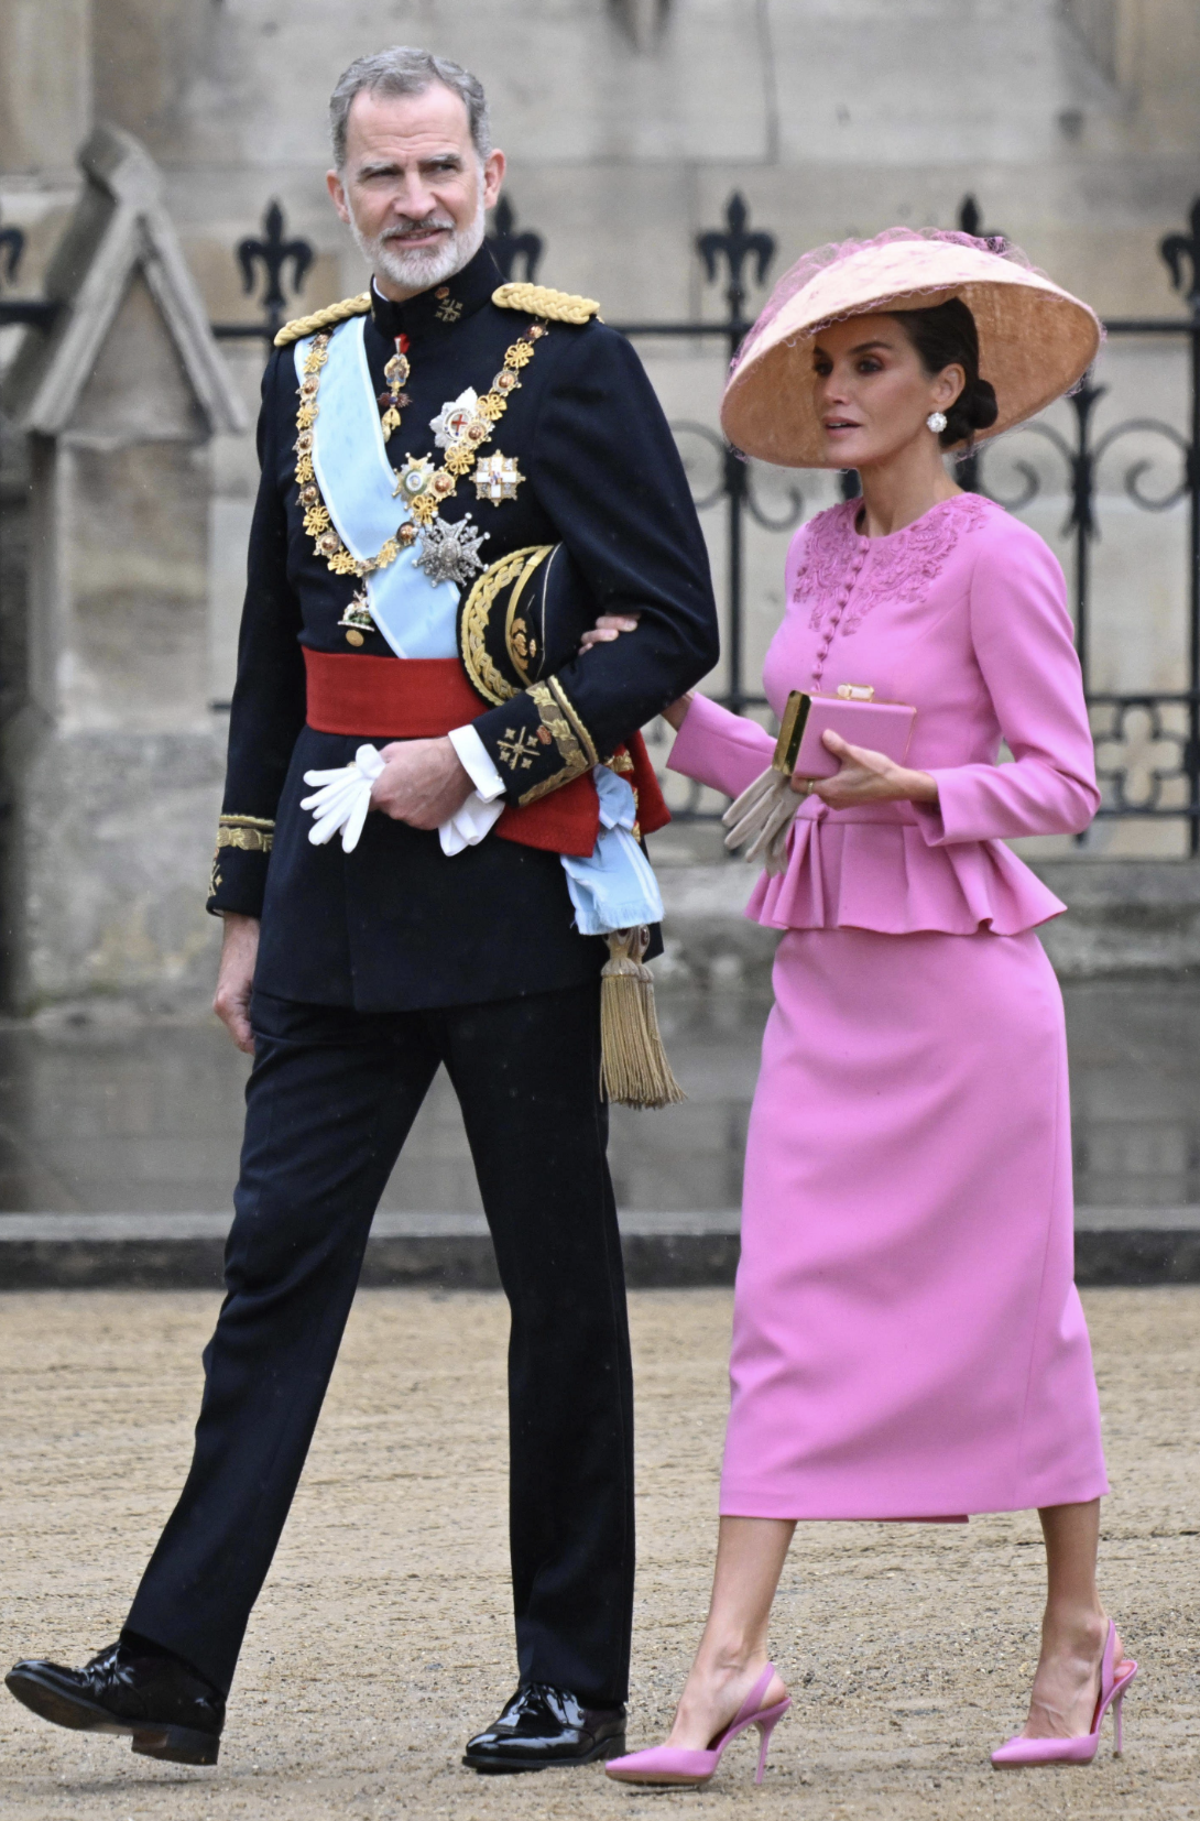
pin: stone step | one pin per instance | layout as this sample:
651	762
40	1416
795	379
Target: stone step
1146	1245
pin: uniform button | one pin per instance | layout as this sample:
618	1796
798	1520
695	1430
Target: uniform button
354	637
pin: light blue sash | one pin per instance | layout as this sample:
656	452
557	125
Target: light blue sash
616	887
613	889
416	616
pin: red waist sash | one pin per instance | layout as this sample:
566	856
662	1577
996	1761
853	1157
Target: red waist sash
423	698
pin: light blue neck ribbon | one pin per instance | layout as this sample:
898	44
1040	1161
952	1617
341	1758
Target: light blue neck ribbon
417	617
616	887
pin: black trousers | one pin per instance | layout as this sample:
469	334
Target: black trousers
329	1103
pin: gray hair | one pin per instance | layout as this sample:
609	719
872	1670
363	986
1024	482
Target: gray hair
402	70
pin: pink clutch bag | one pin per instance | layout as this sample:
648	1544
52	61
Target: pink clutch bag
880	726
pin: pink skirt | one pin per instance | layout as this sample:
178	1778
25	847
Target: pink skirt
908	1341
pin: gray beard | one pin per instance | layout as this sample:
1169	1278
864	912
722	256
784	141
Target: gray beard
423	267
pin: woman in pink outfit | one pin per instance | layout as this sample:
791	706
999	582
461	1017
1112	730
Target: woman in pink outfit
908	1342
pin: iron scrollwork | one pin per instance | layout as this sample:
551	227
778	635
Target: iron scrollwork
274	252
735	243
722	483
1155	735
12	247
1135	787
508	246
1175	248
1082	461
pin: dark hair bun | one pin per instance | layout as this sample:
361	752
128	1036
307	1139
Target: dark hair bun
974	409
945	335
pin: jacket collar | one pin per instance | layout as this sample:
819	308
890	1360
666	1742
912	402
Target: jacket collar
438	310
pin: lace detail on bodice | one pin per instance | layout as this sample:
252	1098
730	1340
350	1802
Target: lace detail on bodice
844	575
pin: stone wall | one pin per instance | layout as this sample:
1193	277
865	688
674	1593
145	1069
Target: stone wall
628	124
110	755
627	127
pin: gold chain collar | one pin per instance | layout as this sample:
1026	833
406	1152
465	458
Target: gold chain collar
426	488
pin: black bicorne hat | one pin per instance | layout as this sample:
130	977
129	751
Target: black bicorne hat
523	619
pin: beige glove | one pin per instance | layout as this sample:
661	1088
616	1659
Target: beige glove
762	817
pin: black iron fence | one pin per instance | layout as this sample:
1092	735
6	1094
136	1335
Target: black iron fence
1148	741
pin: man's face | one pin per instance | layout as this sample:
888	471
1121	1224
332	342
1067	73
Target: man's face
413	189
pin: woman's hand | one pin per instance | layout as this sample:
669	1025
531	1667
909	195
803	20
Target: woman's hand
866	777
608	627
675	713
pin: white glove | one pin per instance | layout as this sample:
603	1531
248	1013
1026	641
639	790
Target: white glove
344	798
468	825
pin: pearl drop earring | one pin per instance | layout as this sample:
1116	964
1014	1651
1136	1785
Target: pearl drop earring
936	421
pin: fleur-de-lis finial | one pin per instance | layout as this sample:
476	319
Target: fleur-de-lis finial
970	221
508	246
1175	248
274	252
735	244
12	245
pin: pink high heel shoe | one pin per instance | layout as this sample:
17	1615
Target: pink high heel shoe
669	1764
1083	1748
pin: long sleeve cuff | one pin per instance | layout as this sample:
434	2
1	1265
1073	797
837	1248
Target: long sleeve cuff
723	750
1001	802
539	740
238	880
473	757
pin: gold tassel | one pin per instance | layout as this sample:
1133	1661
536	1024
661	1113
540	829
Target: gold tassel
633	1063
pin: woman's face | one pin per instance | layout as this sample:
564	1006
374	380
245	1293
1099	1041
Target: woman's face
872	393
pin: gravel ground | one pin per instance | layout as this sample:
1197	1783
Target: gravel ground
383	1638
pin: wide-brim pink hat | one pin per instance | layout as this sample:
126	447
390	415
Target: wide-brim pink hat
1036	341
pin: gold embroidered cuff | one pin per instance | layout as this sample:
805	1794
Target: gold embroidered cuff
584	737
570	736
253	834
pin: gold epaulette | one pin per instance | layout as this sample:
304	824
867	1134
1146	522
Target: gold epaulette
540	300
328	318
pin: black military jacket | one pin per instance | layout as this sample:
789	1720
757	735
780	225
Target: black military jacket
396	924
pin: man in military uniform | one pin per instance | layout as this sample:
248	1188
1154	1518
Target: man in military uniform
439	423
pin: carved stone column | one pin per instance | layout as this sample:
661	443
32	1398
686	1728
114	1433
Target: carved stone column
113	762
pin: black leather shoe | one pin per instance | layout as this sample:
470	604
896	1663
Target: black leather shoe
168	1710
542	1727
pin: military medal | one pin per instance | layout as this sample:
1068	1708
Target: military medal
497	478
357	620
450	553
415	476
449	309
452	420
396	373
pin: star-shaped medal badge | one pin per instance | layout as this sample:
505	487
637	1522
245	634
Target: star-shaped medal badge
450	553
414	477
454	417
497	477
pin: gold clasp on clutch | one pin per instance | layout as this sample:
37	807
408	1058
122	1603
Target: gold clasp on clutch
795	716
791	732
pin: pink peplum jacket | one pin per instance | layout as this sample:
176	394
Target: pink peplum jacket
963	614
